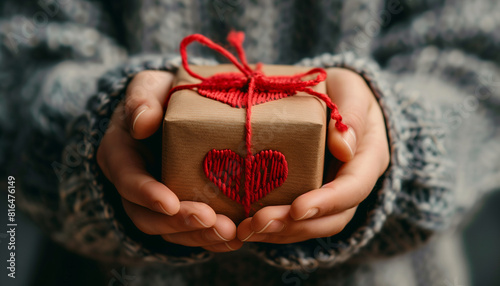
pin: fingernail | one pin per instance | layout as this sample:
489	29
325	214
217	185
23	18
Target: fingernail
272	226
310	213
213	235
349	139
196	218
256	237
228	246
159	208
248	237
140	110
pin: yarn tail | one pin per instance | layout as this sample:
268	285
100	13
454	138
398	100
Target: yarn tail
248	144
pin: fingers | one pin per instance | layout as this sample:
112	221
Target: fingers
144	102
232	245
274	225
346	191
122	164
120	156
191	216
355	179
268	219
196	224
354	100
222	232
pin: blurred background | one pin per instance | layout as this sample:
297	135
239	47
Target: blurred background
39	261
37	257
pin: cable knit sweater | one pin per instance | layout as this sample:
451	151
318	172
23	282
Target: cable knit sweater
433	66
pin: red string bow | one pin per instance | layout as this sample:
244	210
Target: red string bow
267	169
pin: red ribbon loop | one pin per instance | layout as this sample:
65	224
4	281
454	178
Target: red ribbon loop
276	86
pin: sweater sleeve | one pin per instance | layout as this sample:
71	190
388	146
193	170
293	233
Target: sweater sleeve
61	80
440	98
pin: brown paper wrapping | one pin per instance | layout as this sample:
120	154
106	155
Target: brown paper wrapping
194	125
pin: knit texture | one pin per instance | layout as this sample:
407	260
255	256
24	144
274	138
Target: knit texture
432	65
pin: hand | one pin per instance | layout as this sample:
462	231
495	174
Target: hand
153	208
364	149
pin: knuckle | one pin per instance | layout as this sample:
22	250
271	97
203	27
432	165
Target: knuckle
147	79
340	71
329	207
351	75
143	76
262	216
264	211
140	87
194	207
140	223
364	191
166	237
354	119
326	205
144	192
336	230
347	75
144	229
136	96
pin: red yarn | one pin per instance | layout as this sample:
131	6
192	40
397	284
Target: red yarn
267	169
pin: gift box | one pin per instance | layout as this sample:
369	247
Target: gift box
252	137
194	125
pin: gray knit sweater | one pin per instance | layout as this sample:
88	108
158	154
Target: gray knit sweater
433	66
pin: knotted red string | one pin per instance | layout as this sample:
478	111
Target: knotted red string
243	90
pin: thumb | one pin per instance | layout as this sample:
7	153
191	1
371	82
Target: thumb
342	145
144	102
353	98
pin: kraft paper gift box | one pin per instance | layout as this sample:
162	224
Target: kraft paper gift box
194	125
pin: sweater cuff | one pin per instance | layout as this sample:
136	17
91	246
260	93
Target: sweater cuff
409	197
99	225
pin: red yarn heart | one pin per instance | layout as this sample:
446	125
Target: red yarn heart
224	168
